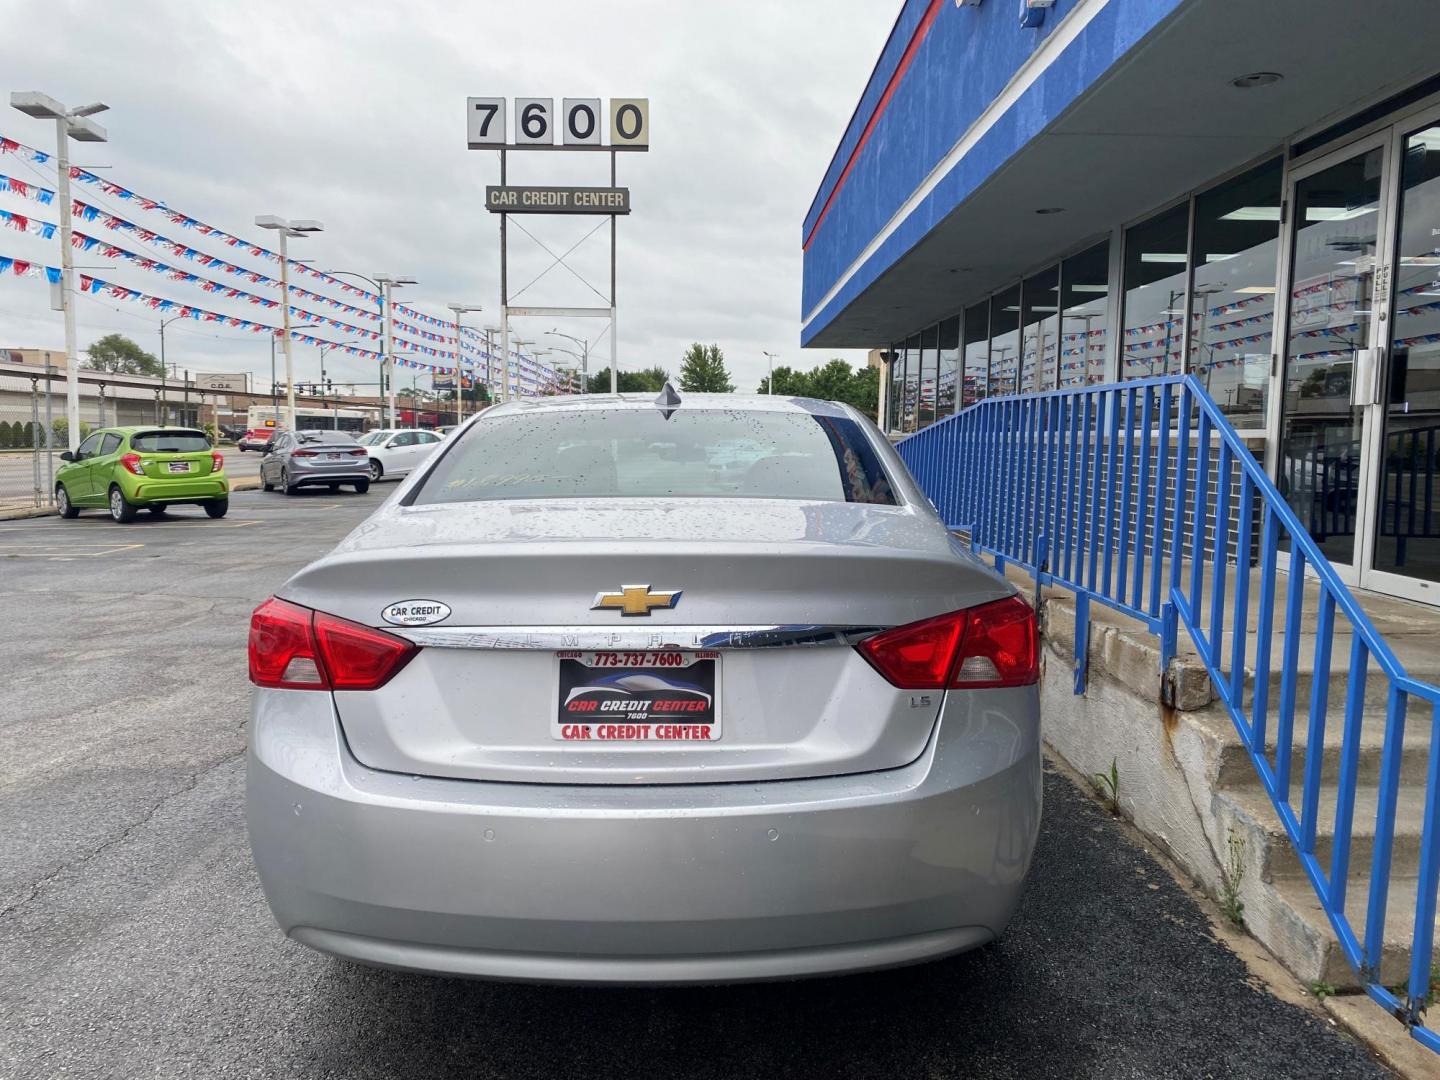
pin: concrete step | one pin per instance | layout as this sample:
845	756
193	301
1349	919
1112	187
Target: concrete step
1310	922
1252	807
1237	771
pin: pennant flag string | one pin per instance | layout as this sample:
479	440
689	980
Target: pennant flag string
27	190
86	212
20	223
25	268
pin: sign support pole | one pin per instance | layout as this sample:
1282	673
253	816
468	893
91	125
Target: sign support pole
614	359
504	301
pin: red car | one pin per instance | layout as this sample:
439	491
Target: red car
256	439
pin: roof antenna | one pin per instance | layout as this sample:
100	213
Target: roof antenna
668	402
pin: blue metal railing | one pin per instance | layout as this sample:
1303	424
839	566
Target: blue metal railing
1139	496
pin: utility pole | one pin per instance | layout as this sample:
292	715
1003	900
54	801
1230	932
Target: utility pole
274	397
770	383
69	124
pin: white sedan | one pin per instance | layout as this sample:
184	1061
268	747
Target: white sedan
394	452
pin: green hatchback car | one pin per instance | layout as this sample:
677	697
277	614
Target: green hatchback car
125	469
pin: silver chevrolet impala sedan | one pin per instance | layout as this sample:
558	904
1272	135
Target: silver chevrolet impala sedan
614	690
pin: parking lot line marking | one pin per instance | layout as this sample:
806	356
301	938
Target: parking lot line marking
8	553
70	527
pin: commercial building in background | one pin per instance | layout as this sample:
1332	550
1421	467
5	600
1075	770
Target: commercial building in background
1032	196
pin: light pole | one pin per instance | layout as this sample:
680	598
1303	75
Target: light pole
330	346
383	284
585	387
519	351
69	124
163	369
584	358
770	382
460	309
287	229
490	332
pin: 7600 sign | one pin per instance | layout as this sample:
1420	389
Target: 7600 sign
578	122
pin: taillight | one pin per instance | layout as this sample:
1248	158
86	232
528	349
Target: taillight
995	644
302	453
359	451
359	657
217	461
294	648
132	463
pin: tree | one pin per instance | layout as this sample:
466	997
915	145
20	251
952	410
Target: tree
118	354
833	381
788	383
649	381
702	370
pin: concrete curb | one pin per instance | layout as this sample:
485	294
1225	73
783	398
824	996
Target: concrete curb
22	513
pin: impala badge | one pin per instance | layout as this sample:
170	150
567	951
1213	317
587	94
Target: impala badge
634	600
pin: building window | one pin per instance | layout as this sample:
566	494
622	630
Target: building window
910	408
975	378
1155	273
929	370
1039	317
1004	342
1084	315
1236	240
896	390
949	367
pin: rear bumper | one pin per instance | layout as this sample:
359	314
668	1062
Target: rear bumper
149	490
347	475
644	884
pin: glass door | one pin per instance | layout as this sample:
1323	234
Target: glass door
1406	551
1337	229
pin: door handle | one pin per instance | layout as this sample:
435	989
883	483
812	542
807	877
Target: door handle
1365	377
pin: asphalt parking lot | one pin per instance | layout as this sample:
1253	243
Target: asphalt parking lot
134	940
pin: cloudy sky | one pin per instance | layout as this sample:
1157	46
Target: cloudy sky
354	114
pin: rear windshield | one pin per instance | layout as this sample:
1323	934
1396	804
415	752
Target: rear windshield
169	441
327	438
630	453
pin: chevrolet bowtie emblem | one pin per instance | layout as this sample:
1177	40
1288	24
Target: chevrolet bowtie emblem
634	600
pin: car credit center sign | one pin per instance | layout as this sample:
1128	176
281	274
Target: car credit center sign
557	200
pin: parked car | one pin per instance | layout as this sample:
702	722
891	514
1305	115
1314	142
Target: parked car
255	439
395	452
127	469
297	459
591	704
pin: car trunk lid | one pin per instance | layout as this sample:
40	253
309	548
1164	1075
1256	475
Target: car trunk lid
771	596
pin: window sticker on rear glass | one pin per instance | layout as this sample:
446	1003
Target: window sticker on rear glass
643	696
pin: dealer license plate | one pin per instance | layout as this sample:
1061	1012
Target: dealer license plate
179	466
660	695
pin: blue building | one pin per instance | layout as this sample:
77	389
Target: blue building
1040	194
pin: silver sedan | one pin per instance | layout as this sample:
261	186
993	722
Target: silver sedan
622	691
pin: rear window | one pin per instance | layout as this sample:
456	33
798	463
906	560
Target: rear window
169	441
327	438
630	453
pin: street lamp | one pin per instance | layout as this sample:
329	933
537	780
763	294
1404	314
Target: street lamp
585	357
519	344
383	283
585	385
770	383
287	229
69	124
460	309
490	332
325	347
